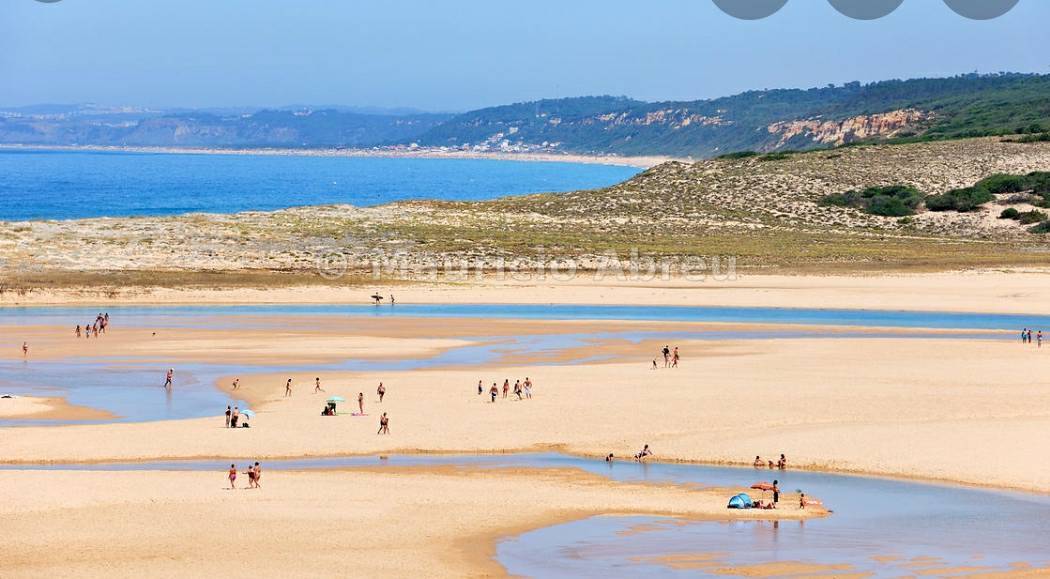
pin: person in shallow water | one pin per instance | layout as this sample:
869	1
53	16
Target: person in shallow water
642	454
782	463
759	463
169	378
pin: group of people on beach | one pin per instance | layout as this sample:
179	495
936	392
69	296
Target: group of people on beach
639	456
254	473
1026	337
99	327
670	358
779	464
233	417
523	390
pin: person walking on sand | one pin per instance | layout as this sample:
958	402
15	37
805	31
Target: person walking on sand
317	385
674	358
258	475
77	331
229	414
384	424
481	390
802	500
654	364
381	391
361	402
288	388
667	356
233	476
169	378
506	388
494	391
528	388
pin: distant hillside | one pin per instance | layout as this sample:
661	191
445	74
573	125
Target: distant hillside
267	128
965	106
767	120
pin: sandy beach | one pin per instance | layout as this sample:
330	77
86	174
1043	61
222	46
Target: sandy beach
1019	291
939	405
318	524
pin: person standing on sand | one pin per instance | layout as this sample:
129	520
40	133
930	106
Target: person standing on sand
361	402
528	388
317	385
258	475
229	415
77	331
235	417
776	493
517	389
168	378
384	424
1029	336
480	389
506	388
494	391
288	388
25	349
381	391
1024	336
233	476
674	358
1039	338
667	356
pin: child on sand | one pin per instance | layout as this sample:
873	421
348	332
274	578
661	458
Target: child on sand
384	424
642	454
381	391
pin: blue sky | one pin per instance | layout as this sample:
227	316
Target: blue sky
462	54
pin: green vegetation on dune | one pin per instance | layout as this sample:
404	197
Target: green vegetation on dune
890	201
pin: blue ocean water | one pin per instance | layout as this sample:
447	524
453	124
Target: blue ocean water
78	184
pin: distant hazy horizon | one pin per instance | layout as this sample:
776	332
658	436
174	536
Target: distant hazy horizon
468	54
